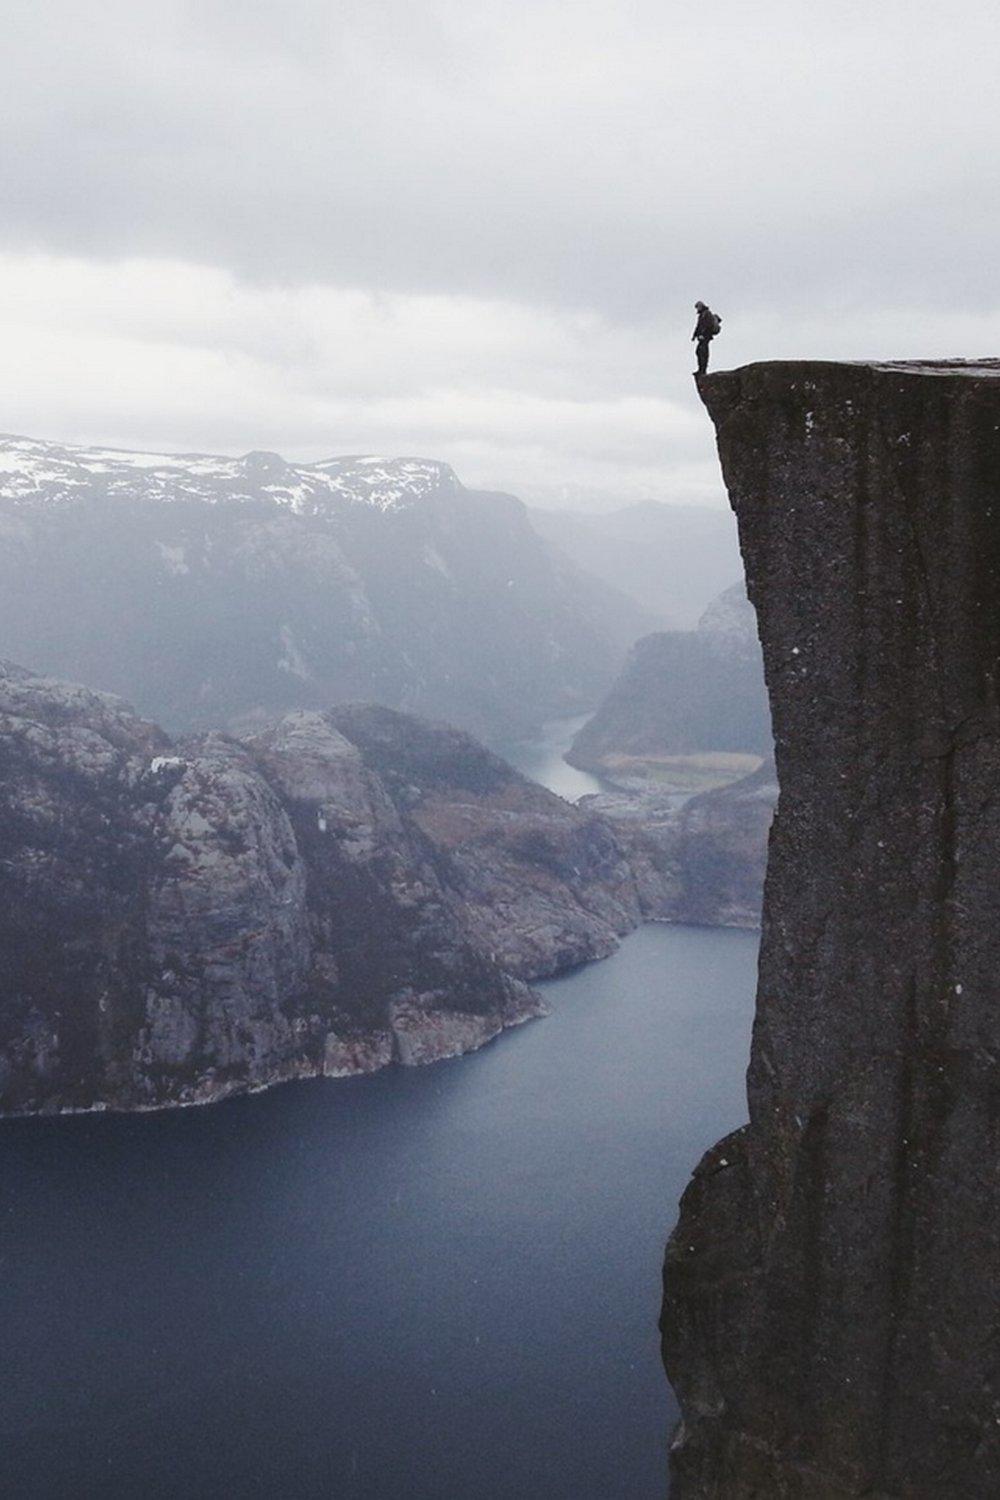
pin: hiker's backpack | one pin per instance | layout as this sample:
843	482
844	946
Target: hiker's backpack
716	326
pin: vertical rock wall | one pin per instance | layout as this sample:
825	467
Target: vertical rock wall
831	1309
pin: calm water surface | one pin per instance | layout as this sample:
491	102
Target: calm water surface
542	759
437	1284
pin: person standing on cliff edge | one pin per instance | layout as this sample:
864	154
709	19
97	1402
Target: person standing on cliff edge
707	326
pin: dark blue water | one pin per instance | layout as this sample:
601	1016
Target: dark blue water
438	1284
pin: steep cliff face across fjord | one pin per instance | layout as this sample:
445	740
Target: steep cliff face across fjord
340	891
831	1317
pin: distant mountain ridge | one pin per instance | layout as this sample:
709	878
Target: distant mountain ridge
216	591
672	559
34	473
684	692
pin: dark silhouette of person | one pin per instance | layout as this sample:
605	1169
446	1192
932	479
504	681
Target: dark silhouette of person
707	326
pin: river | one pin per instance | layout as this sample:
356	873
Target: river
542	759
429	1284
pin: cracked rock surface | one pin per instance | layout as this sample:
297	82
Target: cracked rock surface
831	1317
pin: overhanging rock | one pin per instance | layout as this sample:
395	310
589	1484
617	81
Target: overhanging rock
831	1309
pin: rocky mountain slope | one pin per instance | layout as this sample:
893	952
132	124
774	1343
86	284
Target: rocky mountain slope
702	861
212	590
331	893
831	1320
683	692
544	885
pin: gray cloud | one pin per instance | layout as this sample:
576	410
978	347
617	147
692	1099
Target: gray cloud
611	155
819	167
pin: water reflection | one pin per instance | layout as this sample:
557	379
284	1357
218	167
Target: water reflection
542	759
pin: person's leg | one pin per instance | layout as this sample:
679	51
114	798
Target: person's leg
702	356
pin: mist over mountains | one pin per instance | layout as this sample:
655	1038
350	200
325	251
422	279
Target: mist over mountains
673	559
685	691
210	590
331	884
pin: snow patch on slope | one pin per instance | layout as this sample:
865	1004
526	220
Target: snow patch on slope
43	474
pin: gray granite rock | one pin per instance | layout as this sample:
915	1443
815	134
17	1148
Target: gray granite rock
544	885
831	1316
335	892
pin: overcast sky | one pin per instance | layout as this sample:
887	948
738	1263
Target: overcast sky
475	230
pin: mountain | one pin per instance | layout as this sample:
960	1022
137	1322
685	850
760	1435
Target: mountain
831	1320
672	559
683	693
212	590
183	920
702	862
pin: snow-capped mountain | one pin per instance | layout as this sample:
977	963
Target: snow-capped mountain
42	474
212	590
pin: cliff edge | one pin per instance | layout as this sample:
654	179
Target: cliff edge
831	1320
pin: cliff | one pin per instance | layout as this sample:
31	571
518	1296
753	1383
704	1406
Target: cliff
336	892
831	1311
